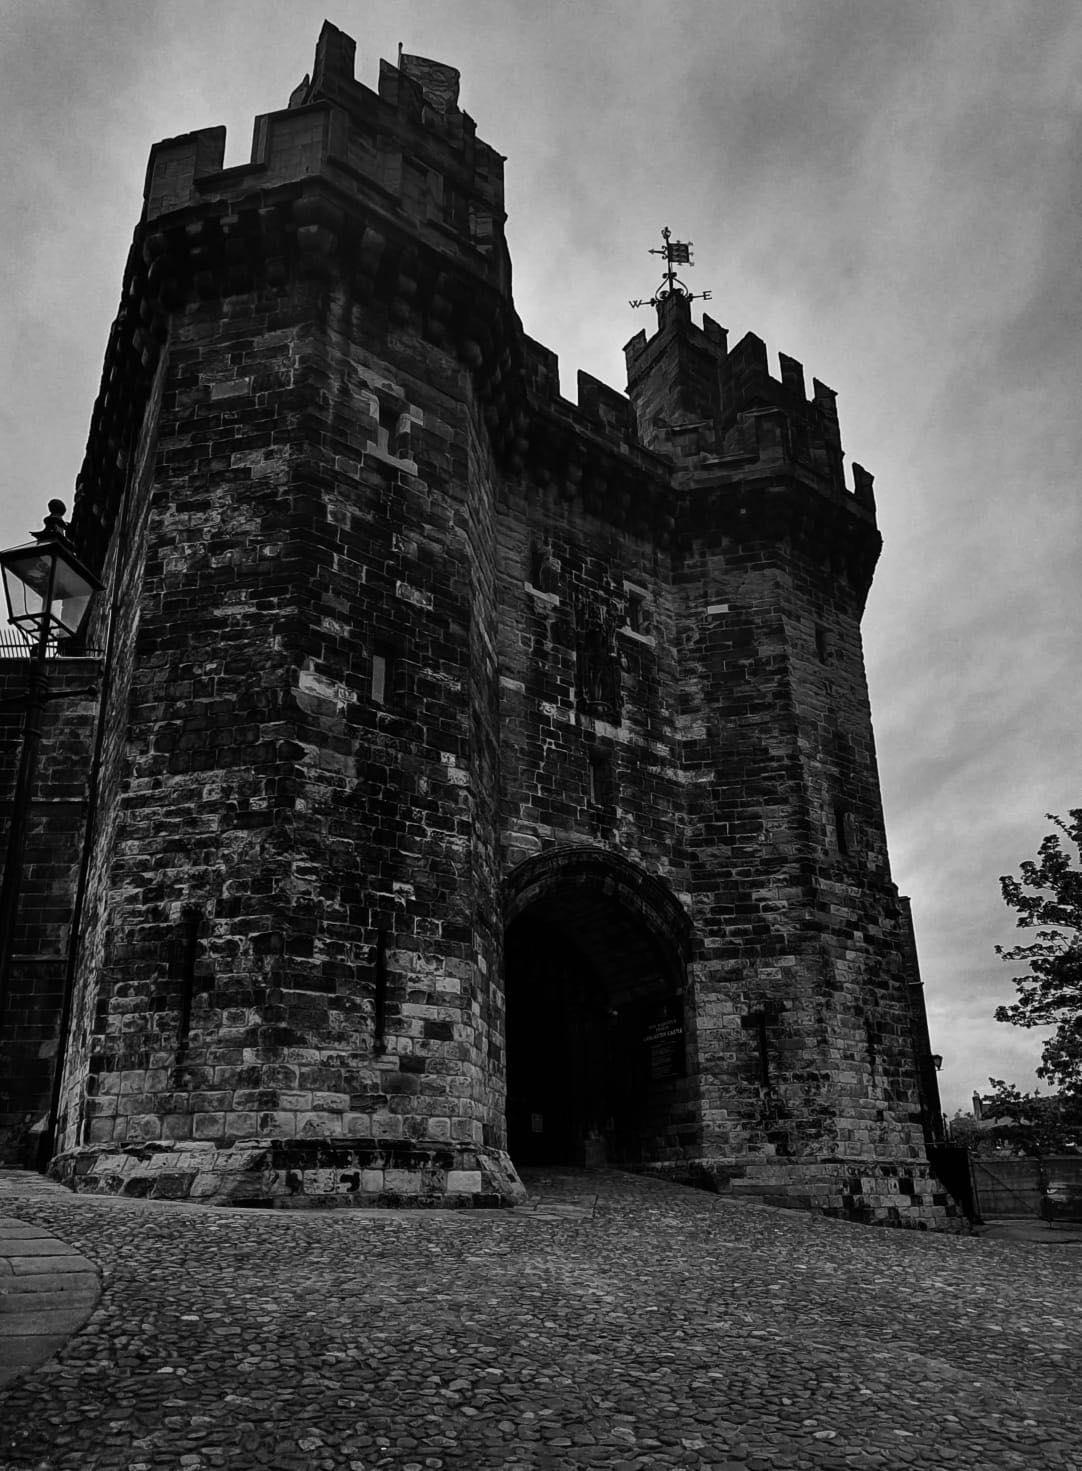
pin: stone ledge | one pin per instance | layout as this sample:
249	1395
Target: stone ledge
298	1174
901	1193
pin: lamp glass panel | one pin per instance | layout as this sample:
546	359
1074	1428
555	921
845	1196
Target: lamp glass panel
71	594
26	583
27	573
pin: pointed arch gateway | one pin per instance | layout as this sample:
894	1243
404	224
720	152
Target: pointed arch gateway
600	1054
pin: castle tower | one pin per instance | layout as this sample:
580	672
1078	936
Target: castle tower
803	938
485	779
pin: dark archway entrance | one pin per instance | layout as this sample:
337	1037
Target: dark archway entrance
597	1042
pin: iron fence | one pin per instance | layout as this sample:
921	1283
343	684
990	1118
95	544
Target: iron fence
12	644
15	645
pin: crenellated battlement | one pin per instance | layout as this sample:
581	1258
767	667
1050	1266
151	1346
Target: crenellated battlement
391	193
691	400
409	140
607	410
589	448
389	190
694	398
746	383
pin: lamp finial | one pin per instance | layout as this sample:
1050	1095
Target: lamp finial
54	523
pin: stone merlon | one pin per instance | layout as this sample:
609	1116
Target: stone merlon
393	190
409	139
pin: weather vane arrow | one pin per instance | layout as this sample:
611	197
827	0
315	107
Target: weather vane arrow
676	253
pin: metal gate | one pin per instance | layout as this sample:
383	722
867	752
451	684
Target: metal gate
1008	1187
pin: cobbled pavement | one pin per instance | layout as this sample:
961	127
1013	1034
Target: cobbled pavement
618	1322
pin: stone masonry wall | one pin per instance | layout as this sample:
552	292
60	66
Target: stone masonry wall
114	626
591	576
583	601
395	624
205	776
289	838
799	921
33	990
299	866
393	814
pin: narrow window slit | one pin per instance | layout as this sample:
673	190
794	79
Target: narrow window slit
380	671
185	954
600	783
756	1021
379	1027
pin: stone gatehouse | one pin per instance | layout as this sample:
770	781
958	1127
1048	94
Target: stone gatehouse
481	777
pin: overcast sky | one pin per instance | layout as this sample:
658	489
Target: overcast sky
887	191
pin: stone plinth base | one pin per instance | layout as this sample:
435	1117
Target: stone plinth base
877	1192
297	1173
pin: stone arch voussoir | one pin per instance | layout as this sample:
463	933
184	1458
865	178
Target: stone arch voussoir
610	875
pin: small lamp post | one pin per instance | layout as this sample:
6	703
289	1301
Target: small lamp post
48	594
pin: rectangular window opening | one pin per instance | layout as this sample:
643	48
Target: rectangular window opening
381	670
388	428
638	610
822	643
600	782
456	209
416	191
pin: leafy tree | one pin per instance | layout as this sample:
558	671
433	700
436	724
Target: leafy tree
965	1129
1035	1123
1048	898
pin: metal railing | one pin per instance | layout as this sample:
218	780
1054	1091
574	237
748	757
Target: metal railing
12	643
15	645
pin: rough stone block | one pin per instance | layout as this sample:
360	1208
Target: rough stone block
463	1182
276	1124
208	1125
318	1125
205	1184
402	1182
176	1126
144	1126
386	1127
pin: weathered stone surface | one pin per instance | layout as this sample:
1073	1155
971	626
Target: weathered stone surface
33	991
485	776
298	1173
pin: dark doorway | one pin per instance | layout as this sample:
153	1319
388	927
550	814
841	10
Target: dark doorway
596	1037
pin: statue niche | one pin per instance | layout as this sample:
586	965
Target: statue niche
598	670
544	569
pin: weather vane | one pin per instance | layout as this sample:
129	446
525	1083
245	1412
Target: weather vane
676	253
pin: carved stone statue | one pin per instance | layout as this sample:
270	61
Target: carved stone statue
598	671
546	570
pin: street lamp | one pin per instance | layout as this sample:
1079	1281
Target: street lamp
48	589
48	594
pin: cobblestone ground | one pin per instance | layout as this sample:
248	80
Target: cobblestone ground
623	1323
